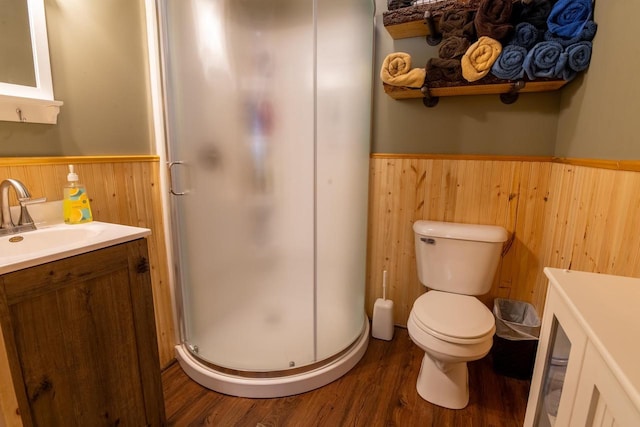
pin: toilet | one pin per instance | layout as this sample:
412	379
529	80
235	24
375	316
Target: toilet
455	262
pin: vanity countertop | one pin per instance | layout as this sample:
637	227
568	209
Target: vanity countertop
52	243
608	308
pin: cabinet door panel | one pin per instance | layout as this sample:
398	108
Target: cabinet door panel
600	398
84	382
556	313
78	339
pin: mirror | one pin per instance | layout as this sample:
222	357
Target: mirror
23	39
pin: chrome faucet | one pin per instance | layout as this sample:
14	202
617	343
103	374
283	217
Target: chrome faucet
25	222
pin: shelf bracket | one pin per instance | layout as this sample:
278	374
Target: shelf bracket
512	96
434	37
428	100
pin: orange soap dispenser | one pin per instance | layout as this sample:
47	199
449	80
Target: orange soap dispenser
75	203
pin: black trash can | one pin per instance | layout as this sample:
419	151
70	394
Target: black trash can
516	340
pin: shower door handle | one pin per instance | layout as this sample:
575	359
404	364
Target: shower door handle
171	188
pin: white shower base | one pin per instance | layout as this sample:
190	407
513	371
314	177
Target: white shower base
278	386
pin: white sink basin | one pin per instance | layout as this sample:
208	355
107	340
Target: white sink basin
25	244
52	243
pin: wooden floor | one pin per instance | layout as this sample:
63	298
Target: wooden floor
379	391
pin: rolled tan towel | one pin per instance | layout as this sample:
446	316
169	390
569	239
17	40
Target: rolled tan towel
397	71
477	61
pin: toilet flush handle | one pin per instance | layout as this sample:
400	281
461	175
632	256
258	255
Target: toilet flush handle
428	240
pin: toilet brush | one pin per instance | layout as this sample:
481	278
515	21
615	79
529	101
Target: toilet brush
382	324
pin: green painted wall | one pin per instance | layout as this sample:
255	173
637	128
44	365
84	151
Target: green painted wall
599	113
99	62
98	58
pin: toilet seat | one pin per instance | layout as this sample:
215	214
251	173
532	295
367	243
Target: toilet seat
455	318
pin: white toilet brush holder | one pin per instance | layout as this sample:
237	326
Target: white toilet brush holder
382	324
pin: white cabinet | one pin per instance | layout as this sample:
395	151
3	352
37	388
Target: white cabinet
587	370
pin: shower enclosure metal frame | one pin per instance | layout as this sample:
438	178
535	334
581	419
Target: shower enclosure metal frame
330	170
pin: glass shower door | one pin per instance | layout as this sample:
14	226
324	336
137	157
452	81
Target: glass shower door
240	102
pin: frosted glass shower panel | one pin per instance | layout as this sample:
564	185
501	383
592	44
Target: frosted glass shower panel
344	73
240	89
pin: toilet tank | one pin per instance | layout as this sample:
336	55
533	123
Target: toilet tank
458	258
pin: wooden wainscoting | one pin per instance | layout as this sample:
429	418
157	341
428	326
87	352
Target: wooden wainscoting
123	190
507	192
592	222
565	213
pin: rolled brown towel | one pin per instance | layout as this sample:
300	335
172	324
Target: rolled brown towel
453	47
493	19
443	70
458	22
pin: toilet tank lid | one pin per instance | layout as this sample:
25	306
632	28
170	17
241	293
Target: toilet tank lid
453	230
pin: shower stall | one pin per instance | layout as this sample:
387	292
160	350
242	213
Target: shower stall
268	126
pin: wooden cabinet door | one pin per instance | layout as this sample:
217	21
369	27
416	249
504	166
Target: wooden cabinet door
80	338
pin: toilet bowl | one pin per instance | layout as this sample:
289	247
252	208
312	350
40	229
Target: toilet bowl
455	262
452	330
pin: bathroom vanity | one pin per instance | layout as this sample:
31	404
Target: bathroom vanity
587	370
80	336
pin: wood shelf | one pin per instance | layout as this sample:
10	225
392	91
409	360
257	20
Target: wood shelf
29	110
399	92
408	29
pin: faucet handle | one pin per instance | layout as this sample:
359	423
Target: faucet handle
25	218
26	201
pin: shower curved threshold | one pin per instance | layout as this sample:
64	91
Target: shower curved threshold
299	381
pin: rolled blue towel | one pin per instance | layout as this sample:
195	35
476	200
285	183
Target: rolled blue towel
525	35
568	17
568	74
579	55
546	59
509	64
578	58
587	34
